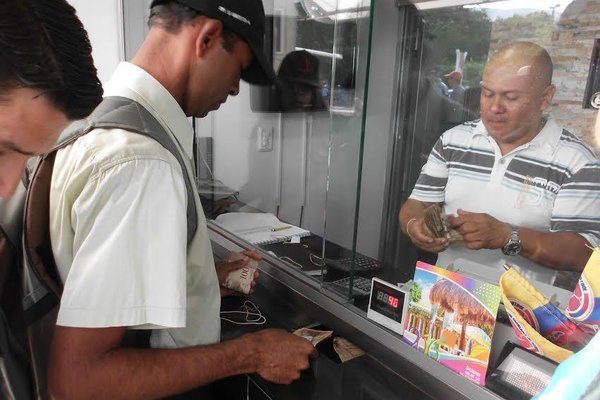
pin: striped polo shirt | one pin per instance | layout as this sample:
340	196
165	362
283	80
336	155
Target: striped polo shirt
551	183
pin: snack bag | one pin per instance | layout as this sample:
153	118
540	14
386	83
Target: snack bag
584	305
539	325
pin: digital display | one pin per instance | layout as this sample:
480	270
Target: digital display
387	304
387	299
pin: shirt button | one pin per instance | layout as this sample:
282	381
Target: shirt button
502	161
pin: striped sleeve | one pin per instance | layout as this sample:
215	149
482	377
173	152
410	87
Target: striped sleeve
577	205
431	184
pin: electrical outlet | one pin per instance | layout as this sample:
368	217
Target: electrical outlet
265	139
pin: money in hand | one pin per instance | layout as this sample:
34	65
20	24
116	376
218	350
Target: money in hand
437	225
241	279
314	336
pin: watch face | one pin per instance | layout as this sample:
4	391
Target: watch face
512	248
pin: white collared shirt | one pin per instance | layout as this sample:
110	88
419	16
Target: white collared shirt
118	228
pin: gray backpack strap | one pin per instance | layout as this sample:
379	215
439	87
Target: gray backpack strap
123	113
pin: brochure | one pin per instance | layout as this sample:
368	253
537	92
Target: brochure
451	318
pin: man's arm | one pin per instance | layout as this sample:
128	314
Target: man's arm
556	250
88	363
411	223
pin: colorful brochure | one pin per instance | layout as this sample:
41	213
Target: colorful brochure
451	318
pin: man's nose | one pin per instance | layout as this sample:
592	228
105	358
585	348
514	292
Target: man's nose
497	105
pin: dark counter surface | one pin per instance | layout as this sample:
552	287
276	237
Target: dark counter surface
327	378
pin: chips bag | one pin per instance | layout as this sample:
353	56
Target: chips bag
540	326
584	304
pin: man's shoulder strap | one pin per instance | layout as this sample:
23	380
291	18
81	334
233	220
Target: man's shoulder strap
122	113
112	113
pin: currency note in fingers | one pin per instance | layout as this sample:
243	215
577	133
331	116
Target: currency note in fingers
314	336
241	279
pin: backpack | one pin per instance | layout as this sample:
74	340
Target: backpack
42	283
15	369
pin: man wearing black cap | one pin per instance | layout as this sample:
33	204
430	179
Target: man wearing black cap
299	82
118	222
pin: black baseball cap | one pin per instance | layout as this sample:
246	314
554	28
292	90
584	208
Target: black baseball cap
300	66
246	18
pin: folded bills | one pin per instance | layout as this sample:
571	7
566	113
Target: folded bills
241	279
437	225
314	336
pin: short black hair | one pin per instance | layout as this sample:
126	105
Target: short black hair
171	15
43	45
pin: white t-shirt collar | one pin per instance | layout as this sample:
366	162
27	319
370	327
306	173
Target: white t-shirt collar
547	139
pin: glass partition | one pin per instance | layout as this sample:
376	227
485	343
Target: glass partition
331	173
449	44
280	165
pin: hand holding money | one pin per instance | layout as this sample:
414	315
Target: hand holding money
436	224
239	272
314	336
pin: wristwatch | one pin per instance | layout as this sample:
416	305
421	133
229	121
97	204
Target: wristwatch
513	246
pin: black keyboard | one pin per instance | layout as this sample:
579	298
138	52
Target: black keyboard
361	287
362	264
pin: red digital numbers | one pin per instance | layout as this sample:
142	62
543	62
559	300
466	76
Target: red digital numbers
387	299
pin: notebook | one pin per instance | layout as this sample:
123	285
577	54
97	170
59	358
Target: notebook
259	228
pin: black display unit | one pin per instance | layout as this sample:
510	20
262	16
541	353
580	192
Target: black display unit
520	373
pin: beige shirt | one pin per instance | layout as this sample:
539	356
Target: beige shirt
118	228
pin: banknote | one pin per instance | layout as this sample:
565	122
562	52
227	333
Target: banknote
241	279
345	349
314	336
436	224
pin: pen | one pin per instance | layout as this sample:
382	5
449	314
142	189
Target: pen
280	228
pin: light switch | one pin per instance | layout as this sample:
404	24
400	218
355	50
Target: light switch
265	139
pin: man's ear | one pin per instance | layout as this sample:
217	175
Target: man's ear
547	96
208	34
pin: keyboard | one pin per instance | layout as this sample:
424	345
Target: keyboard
361	287
362	264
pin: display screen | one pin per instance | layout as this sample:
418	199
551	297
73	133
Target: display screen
387	300
522	374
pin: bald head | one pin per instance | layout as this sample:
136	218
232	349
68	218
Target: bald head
516	89
524	59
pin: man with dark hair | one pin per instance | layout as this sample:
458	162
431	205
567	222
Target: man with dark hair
118	222
525	191
47	79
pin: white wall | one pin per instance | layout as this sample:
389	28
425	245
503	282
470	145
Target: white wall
104	22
